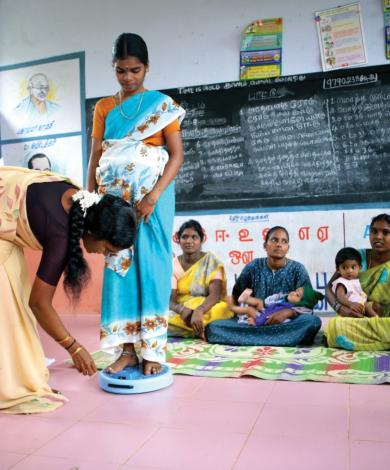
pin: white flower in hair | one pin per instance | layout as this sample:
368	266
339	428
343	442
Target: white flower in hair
86	199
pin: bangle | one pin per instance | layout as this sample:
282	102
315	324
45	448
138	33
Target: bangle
201	308
60	341
77	351
181	309
71	344
336	306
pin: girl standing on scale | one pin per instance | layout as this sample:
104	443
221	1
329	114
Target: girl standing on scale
136	153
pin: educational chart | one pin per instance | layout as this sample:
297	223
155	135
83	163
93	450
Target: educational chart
315	238
386	17
42	114
340	33
261	49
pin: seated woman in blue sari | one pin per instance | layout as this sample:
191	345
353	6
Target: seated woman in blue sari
136	153
268	276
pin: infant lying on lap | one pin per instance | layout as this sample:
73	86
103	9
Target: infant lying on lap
257	312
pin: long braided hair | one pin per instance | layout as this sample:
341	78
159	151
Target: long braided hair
111	219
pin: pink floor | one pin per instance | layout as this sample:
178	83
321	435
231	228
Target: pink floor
199	423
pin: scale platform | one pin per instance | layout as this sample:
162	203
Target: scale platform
132	380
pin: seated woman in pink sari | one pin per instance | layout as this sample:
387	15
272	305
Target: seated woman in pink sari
198	286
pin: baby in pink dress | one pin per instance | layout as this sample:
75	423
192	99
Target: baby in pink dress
347	288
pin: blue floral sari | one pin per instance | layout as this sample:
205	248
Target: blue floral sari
137	283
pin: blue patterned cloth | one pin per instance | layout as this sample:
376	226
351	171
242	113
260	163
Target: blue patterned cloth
136	286
300	330
264	282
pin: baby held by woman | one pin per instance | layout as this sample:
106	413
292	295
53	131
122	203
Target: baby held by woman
257	312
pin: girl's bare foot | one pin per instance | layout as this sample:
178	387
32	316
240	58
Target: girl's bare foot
128	358
151	368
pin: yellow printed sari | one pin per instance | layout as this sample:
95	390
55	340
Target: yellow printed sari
365	334
376	283
192	289
24	376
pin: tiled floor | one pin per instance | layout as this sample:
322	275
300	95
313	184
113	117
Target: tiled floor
199	423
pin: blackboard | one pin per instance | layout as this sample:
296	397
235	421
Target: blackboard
320	138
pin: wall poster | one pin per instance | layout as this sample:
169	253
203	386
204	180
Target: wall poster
386	16
42	115
340	33
261	49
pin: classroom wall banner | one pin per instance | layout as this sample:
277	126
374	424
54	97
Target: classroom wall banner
41	108
315	238
341	38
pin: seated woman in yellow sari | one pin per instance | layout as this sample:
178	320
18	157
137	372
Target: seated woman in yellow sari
198	285
350	329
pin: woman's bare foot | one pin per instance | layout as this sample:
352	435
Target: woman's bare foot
151	368
128	358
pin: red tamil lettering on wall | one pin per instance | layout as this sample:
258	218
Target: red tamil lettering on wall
244	257
247	256
323	233
243	235
304	233
221	235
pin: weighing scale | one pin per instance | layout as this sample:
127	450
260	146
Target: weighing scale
132	380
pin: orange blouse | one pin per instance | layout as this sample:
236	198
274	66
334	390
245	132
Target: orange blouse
105	105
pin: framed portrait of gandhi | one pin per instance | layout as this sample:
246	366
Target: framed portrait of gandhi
43	100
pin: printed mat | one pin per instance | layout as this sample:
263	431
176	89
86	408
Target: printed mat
316	363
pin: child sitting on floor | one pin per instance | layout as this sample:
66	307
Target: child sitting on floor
255	312
347	288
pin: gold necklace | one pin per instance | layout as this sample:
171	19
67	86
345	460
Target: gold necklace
130	118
